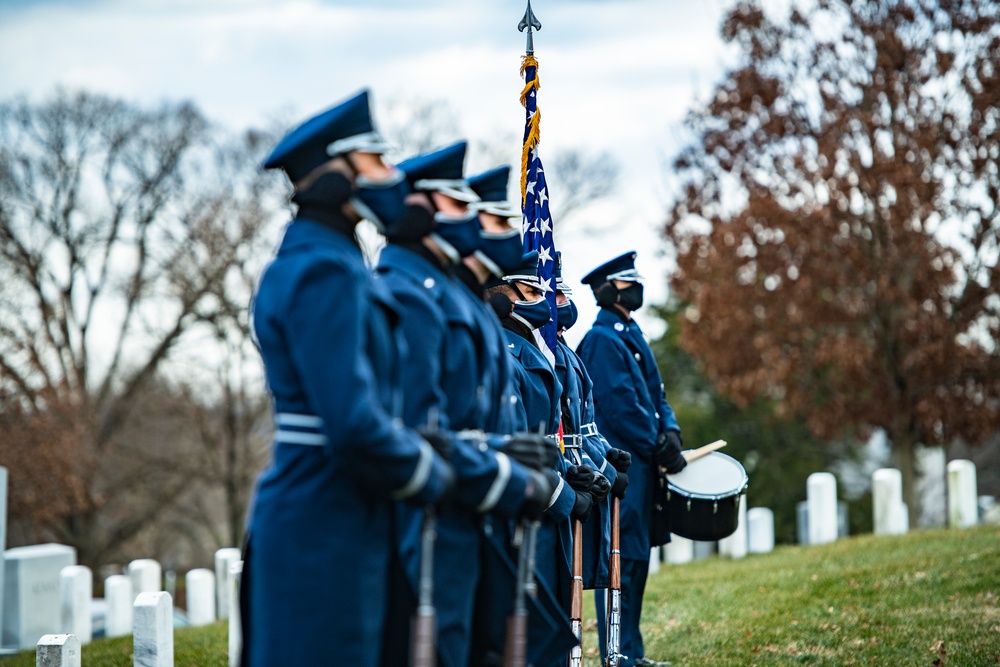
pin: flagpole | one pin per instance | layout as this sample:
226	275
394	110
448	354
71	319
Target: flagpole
528	22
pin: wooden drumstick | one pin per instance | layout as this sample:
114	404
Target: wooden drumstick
695	454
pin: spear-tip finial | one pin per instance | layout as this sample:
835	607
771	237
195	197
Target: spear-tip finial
529	21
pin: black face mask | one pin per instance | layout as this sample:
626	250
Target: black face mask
330	191
630	298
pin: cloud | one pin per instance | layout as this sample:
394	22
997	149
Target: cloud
617	75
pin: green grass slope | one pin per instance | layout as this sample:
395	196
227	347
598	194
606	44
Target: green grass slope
927	599
930	598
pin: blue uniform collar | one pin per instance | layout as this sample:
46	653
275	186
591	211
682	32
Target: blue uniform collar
303	232
410	263
608	317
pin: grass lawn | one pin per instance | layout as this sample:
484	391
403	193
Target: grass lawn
930	598
927	599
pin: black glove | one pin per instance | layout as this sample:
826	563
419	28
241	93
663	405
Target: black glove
581	508
537	493
532	450
581	478
618	488
439	440
669	454
620	459
601	488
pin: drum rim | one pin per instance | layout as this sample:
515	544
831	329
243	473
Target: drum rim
702	496
740	490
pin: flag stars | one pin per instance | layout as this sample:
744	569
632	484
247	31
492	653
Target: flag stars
544	254
531	187
545	225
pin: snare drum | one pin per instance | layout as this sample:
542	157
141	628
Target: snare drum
704	499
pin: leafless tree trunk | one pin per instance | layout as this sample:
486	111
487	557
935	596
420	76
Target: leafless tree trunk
123	235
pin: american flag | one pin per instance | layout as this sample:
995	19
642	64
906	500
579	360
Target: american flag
536	222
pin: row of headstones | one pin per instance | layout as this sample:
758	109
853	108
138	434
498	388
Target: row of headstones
47	592
152	627
823	519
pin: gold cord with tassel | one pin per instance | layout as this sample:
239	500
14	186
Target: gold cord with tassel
534	132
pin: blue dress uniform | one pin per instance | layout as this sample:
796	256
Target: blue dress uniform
537	392
320	535
631	413
445	378
578	416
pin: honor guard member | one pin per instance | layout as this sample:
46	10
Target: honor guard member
578	427
499	254
520	304
321	525
442	378
632	413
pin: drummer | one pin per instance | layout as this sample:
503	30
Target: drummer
632	413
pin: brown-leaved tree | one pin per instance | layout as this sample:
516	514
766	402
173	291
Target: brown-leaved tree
837	225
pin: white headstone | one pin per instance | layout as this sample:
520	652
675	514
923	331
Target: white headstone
235	629
3	538
146	575
224	559
802	522
821	496
76	588
680	550
735	546
654	560
760	530
118	596
58	651
843	525
963	506
31	592
888	511
200	596
153	630
703	550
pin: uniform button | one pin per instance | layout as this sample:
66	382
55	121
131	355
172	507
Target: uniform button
637	356
657	414
513	400
483	446
619	326
429	283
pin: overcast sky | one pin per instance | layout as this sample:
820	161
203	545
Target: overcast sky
617	75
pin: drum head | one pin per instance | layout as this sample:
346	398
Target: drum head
712	476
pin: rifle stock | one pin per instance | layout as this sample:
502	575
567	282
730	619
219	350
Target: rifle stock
424	653
515	651
423	636
576	603
614	602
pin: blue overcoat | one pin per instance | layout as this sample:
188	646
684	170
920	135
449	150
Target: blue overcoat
446	373
538	391
320	526
577	410
631	411
551	636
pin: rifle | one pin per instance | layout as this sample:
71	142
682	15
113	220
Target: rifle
515	653
614	602
576	602
423	647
